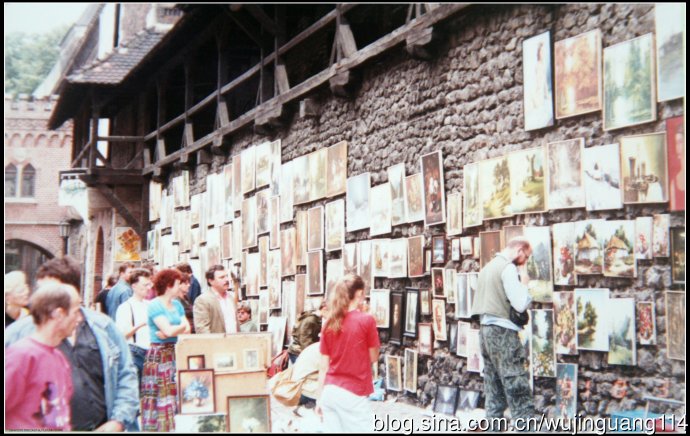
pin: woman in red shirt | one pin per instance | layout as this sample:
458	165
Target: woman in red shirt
349	345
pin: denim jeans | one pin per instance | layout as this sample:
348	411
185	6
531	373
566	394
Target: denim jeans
138	355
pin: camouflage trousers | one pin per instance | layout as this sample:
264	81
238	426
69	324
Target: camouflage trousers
506	381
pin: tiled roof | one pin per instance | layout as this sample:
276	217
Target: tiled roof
113	69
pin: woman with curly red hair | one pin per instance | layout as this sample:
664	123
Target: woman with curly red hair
166	321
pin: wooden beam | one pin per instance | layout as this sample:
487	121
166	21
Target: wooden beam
255	36
120	138
158	174
346	39
75	162
344	83
422	43
109	176
136	157
121	209
257	12
281	78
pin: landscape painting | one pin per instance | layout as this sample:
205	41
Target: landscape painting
538	85
629	91
527	185
379	307
380	208
379	253
396	179
577	68
670	50
622	334
543	350
494	188
490	245
566	189
678	255
357	207
397	258
619	251
414	207
335	225
602	176
589	253
472	205
564	329
592	308
566	390
434	189
247	157
644	168
539	264
675	325
336	169
564	254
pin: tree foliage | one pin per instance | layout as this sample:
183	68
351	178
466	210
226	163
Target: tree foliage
29	58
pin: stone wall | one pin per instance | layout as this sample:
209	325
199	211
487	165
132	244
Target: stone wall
467	102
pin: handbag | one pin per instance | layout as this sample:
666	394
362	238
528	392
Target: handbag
279	363
285	390
520	319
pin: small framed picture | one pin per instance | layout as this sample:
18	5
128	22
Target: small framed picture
438	245
197	391
424	302
224	362
426	339
437	281
427	261
466	245
394	373
411	310
438	308
455	249
446	399
410	374
249	414
251	359
396	317
469	400
196	362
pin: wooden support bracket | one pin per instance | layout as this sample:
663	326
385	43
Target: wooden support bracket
309	108
120	207
422	43
344	83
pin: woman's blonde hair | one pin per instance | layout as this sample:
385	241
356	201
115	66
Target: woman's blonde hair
340	298
15	282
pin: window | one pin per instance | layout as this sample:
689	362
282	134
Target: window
10	181
28	181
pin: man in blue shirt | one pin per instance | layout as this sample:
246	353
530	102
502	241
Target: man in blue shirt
122	291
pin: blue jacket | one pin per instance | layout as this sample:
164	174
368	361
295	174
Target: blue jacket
121	383
194	289
119	293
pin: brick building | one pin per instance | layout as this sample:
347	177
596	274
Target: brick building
396	82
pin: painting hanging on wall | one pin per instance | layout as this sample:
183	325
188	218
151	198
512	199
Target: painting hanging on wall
380	209
397	258
622	334
675	325
675	138
449	285
564	254
629	91
263	164
661	239
357	207
315	272
472	205
510	232
394	373
463	332
287	196
414	207
490	245
538	86
644	169
262	212
589	252
678	255
229	209
410	379
350	258
577	68
646	323
527	185
438	312
249	221
619	250
602	176
317	174
337	169
434	189
181	189
365	267
396	179
566	390
462	309
301	237
475	361
426	339
126	245
466	246
411	312
494	188
300	180
226	241
437	282
564	317
335	225
592	322
379	257
315	228
415	256
397	317
454	220
439	249
334	272
566	188
155	195
274	221
670	50
643	237
276	159
247	158
379	307
287	252
543	350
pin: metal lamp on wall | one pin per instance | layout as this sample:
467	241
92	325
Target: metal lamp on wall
64	228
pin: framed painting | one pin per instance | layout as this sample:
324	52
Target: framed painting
564	317
357	199
274	221
394	373
510	232
396	179
455	250
643	237
438	309
661	239
249	223
224	362
301	289
315	273
454	219
287	196
577	70
126	245
335	225
194	209
539	264
602	177
264	306
538	85
490	245
646	323
543	349
565	183
229	209
564	254
301	236
494	188
315	228
675	325
396	317
155	196
380	208
249	414
415	256
434	189
379	257
237	182
426	339
463	332
411	312
262	212
619	250
287	252
414	207
350	258
446	399
225	241
438	244
275	164
475	361
462	308
589	257
622	333
263	164
675	144
203	423
336	169
566	390
678	255
410	374
365	268
452	338
449	285
379	307
181	189
397	258
669	20
248	160
427	261
592	306
196	362
472	204
300	179
253	271
437	282
274	280
424	302
466	246
197	391
317	174
644	168
629	91
469	400
527	185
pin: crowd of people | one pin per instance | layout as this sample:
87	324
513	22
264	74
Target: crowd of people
68	367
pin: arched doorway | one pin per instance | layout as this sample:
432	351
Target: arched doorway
98	272
25	256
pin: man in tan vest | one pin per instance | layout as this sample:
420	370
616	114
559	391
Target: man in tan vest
506	381
215	310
